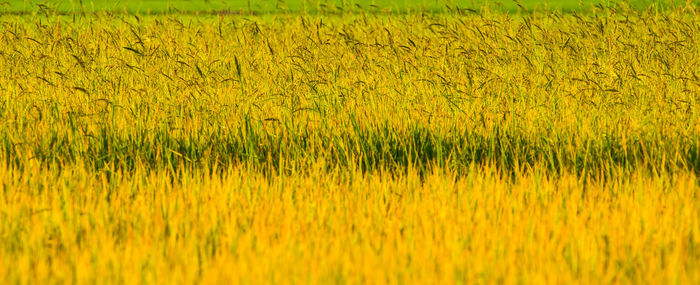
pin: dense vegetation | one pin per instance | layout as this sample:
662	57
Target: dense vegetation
308	6
467	146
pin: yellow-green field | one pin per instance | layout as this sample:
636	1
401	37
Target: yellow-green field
453	148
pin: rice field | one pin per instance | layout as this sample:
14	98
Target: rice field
470	146
304	6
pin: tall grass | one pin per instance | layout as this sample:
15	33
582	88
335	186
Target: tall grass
356	148
345	227
613	89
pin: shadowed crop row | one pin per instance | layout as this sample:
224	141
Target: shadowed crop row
380	148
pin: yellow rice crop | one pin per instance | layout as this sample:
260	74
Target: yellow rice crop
465	148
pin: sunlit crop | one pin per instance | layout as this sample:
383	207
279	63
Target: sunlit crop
467	147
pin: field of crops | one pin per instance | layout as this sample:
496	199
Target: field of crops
304	6
456	147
